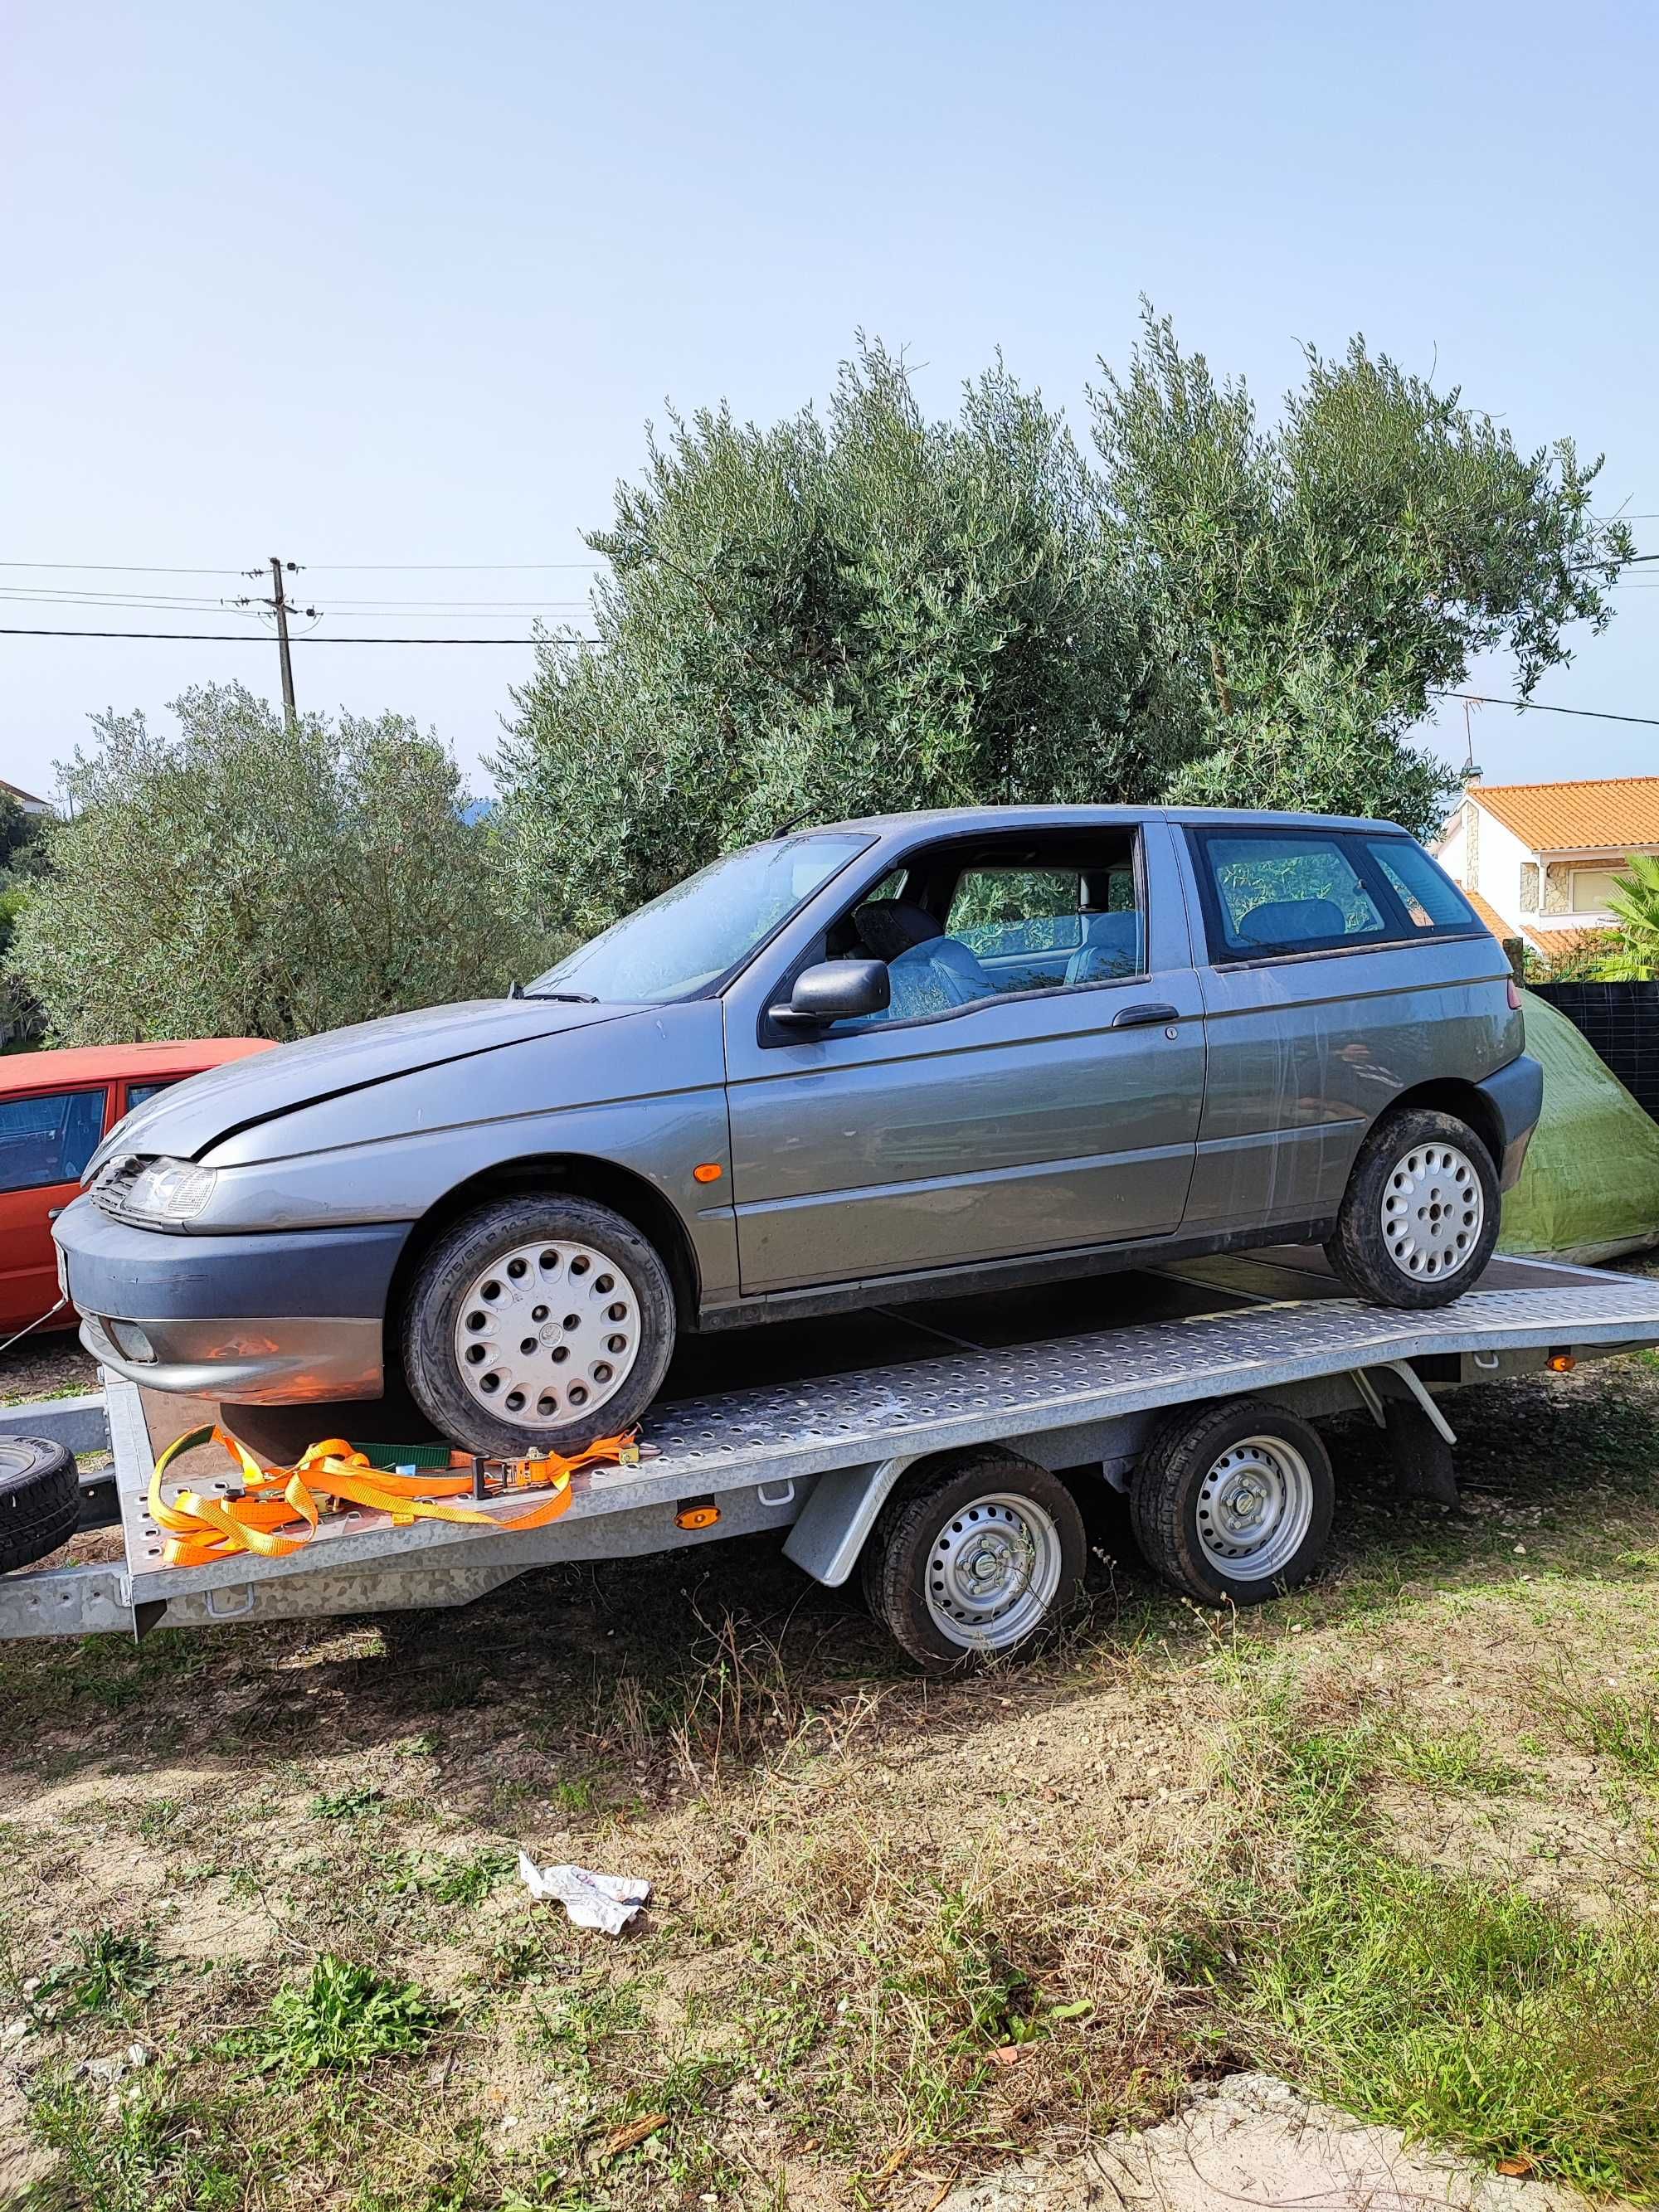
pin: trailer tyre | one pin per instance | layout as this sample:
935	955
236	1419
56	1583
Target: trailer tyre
974	1559
40	1499
1231	1501
1419	1217
537	1323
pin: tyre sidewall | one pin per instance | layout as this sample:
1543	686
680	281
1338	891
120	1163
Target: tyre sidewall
40	1499
1359	1250
895	1561
453	1263
1169	1532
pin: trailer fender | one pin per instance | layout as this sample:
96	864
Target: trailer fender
831	1529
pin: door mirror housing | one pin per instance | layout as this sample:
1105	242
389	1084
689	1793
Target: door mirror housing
835	991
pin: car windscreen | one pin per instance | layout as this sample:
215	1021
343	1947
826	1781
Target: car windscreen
706	926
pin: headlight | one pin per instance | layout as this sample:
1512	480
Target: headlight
156	1192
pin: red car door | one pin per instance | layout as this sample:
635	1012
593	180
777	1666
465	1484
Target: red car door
46	1137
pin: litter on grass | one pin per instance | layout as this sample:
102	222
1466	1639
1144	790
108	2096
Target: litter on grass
605	1901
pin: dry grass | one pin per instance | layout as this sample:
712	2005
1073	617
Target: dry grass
901	1929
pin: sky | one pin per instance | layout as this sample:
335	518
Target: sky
392	291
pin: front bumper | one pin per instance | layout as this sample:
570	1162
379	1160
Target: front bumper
287	1317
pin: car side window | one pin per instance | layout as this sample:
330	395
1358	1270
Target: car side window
49	1139
1429	897
961	936
1289	891
140	1094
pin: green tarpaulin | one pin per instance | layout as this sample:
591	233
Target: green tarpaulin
1590	1188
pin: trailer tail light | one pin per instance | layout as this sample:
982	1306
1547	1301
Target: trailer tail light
1562	1363
702	1515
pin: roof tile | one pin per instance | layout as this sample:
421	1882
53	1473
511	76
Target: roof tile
1611	814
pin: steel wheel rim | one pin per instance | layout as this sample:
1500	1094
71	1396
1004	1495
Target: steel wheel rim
1256	1507
1432	1212
547	1333
992	1571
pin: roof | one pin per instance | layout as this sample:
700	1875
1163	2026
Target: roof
136	1063
18	792
969	820
1611	814
1489	914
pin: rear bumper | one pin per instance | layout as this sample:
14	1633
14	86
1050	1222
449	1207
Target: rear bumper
285	1318
1515	1095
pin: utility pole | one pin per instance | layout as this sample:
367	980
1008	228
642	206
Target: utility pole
280	602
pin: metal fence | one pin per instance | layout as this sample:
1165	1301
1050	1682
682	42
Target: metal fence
1621	1020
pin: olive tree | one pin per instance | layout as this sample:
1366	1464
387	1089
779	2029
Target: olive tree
863	612
234	877
1314	582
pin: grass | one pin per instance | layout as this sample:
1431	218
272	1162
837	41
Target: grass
1457	2010
342	2017
1621	1725
902	1930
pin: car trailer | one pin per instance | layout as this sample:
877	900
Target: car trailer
939	1473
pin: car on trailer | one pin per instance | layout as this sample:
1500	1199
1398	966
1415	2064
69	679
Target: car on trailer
915	1056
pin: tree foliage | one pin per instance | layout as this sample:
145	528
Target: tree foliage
873	610
239	878
1633	955
864	613
1316	582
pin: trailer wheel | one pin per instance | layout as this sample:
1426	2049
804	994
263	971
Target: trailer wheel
1231	1501
40	1499
974	1557
537	1323
1419	1217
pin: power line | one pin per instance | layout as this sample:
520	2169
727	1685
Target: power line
1537	707
301	637
333	567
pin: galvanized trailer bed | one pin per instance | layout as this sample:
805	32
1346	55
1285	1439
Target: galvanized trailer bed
797	1429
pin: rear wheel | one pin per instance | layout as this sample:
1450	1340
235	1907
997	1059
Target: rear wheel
537	1324
1420	1215
1231	1501
974	1557
40	1499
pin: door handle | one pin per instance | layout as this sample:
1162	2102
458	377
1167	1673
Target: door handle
53	1212
1133	1018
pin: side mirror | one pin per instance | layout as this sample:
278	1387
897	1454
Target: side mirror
835	991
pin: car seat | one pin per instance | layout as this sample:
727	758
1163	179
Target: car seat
1281	922
927	972
1113	945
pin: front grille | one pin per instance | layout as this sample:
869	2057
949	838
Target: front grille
109	1193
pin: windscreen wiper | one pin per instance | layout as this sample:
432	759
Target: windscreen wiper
573	998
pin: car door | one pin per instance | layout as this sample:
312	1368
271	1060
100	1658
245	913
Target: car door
46	1137
1054	1115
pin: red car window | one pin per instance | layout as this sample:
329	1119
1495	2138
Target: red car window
49	1138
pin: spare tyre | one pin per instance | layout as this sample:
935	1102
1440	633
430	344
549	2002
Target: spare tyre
40	1499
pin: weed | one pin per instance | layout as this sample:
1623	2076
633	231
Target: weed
582	2017
110	1972
342	2017
574	1794
454	1880
158	1817
151	2156
360	1802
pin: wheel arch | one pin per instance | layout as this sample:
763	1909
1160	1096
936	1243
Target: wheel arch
583	1174
1455	1095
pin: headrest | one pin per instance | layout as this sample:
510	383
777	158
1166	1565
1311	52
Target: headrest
1291	921
890	927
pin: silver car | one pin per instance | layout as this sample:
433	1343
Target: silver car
897	1058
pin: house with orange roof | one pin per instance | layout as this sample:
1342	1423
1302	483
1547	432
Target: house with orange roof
1537	860
26	799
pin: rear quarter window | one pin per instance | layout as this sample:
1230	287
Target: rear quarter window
1272	894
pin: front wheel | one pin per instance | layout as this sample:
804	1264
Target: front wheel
974	1557
537	1323
1419	1217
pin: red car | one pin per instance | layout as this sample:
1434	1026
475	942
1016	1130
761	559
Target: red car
54	1110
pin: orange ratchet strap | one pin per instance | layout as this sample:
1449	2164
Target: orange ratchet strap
278	1511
